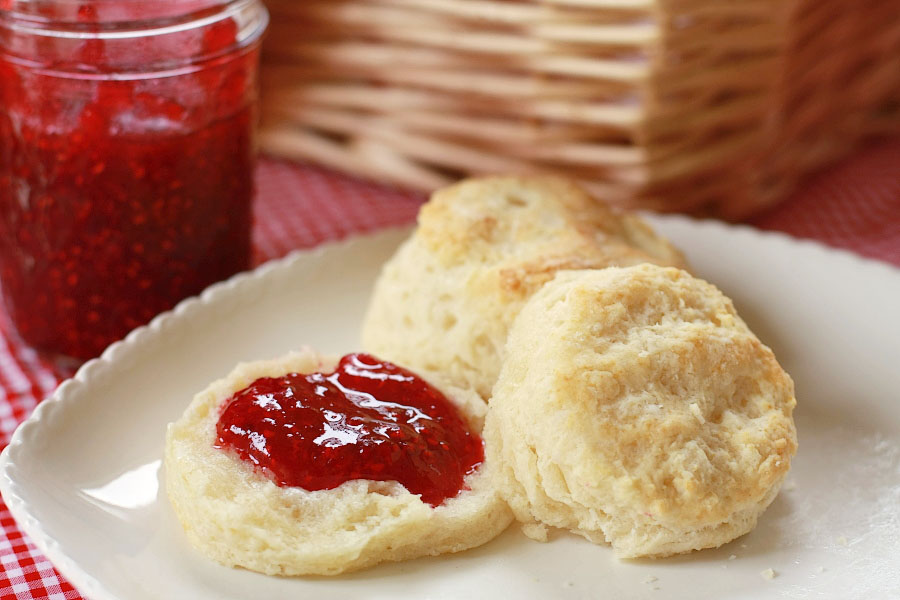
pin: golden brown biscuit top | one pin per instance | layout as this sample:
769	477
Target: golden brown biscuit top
527	228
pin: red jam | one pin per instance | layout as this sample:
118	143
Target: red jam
123	187
369	419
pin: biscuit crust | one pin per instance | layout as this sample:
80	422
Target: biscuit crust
238	517
447	298
636	407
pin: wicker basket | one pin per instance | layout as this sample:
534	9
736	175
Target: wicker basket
704	106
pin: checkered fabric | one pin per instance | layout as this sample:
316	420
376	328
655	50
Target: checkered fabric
855	205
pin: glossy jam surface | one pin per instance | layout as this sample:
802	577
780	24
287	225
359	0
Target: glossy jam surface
369	419
120	194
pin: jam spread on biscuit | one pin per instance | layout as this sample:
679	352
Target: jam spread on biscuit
369	419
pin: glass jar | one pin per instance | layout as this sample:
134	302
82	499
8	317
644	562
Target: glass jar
126	160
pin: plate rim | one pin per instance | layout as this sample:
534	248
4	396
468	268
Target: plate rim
70	390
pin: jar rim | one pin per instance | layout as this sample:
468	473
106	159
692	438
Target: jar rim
205	13
170	46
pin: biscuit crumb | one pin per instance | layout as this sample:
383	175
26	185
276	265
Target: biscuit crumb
535	531
695	409
768	574
743	545
732	557
655	587
842	540
650	579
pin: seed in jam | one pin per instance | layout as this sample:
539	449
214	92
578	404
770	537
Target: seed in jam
369	419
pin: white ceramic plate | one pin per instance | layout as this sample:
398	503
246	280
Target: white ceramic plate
82	475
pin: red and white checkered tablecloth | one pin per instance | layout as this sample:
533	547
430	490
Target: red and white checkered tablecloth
855	205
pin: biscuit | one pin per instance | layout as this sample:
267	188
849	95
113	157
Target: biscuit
235	515
635	407
446	299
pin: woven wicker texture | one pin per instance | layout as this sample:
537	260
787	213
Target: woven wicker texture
699	106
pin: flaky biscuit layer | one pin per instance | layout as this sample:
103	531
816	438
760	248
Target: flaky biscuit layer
635	407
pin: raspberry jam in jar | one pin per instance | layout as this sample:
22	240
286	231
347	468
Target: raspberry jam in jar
369	419
126	160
